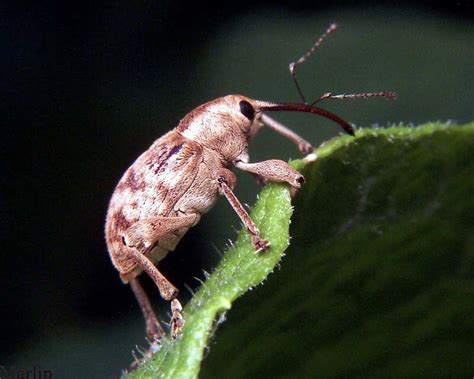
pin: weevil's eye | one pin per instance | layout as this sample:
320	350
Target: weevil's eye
247	110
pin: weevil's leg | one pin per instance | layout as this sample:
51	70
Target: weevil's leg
154	330
143	234
226	180
304	146
273	170
167	290
177	320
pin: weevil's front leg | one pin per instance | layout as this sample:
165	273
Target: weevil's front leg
304	146
273	170
226	180
154	330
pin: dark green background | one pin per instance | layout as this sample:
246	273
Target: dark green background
89	86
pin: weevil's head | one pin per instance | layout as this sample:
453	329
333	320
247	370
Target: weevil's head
224	125
227	123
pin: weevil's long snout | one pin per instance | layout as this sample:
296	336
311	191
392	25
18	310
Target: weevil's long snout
297	107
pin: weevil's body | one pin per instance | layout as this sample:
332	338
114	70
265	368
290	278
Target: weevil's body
180	177
176	176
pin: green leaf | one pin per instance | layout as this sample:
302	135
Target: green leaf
378	279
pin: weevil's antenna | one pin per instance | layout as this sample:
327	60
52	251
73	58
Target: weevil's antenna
386	94
365	95
308	54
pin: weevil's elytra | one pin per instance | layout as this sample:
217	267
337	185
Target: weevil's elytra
180	177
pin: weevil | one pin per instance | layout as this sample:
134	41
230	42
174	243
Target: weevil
180	177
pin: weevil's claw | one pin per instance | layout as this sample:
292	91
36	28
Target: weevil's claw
306	148
177	320
259	244
298	181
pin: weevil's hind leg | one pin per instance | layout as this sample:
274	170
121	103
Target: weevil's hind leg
304	146
154	330
167	290
177	320
226	180
140	238
143	235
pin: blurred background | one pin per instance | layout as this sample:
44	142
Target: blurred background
88	86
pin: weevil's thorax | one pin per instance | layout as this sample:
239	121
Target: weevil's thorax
221	126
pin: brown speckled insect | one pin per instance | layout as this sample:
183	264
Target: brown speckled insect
180	177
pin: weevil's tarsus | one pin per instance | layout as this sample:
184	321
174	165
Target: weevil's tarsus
308	54
177	320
